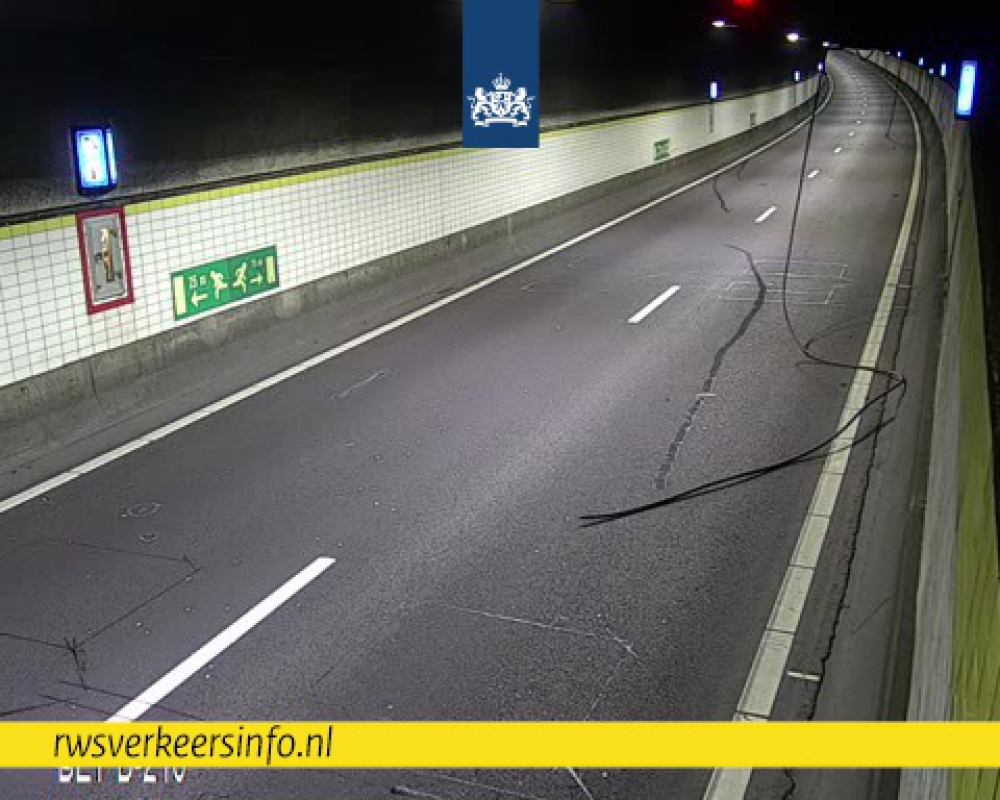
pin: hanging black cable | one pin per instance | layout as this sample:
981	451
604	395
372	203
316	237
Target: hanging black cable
896	382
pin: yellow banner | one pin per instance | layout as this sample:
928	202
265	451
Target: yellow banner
431	745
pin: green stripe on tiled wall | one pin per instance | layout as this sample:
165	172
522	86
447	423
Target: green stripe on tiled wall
38	226
200	196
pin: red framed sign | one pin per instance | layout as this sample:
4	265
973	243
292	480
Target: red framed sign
107	268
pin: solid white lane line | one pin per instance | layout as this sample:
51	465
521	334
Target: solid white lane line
649	308
41	488
771	660
206	653
321	358
813	174
763	217
802	676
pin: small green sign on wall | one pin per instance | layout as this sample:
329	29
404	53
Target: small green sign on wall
210	286
661	150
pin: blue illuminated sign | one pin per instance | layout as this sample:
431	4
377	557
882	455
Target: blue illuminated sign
109	140
944	70
713	90
966	89
94	159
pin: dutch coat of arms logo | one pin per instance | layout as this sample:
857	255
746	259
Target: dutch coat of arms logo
501	105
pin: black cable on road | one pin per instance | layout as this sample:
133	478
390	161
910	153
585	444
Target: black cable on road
895	382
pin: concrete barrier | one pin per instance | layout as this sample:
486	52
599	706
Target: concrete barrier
956	659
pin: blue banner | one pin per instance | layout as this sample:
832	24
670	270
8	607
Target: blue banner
500	73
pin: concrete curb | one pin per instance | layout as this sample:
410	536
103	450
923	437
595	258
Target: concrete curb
956	660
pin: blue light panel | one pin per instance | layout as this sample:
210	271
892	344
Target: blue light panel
109	141
966	89
94	156
713	90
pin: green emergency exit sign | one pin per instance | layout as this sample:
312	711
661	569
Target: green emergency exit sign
661	150
210	286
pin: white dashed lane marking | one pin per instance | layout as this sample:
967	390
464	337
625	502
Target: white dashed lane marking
763	217
649	308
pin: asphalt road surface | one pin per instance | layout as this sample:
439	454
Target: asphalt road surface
444	467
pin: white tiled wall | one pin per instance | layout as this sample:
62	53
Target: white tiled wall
324	223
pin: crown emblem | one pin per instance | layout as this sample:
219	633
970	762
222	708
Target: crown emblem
501	105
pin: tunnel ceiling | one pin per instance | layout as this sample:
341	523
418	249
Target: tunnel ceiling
189	24
895	24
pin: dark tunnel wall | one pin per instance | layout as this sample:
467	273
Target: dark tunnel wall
206	92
